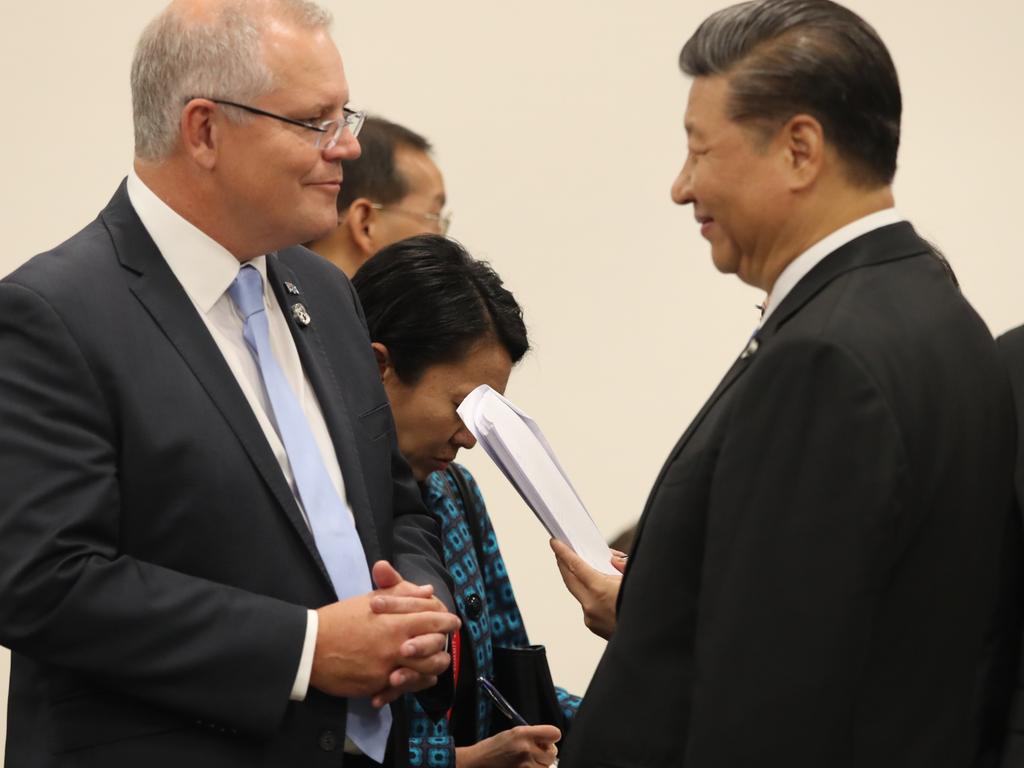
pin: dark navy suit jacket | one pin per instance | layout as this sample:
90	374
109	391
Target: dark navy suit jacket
155	569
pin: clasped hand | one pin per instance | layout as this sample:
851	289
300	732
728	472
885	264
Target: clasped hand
382	644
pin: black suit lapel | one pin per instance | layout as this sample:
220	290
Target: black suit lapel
156	287
316	363
737	369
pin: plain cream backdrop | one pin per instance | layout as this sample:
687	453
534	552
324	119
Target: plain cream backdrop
558	126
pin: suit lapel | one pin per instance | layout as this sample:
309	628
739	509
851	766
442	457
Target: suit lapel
316	363
737	369
155	286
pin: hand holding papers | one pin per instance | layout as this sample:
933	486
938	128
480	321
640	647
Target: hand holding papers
515	443
597	593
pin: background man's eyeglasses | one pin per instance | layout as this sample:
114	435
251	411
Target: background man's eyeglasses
441	220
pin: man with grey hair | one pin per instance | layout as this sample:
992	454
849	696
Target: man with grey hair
211	550
816	579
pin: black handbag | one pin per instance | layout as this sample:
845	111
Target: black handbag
521	674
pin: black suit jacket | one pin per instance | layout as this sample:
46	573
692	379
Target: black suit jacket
1011	345
155	570
816	567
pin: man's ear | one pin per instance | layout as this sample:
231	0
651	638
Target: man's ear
359	220
200	132
380	352
804	150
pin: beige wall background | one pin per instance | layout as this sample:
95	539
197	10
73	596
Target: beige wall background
559	128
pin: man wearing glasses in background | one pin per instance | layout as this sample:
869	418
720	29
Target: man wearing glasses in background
211	551
392	191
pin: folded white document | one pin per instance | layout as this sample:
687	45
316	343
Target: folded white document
515	443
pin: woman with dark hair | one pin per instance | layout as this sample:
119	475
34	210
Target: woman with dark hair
441	324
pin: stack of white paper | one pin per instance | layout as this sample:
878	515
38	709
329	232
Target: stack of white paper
515	443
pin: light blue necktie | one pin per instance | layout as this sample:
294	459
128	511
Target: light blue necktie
329	518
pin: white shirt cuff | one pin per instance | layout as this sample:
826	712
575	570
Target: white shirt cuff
301	685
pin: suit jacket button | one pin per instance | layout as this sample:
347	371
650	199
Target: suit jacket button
328	741
474	605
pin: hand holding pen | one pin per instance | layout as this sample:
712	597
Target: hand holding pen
522	746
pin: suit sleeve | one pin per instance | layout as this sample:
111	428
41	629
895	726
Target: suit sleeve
418	557
806	518
417	548
69	597
417	545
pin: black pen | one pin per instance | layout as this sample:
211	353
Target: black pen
501	702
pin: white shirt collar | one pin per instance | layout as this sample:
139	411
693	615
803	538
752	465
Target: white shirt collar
798	268
203	266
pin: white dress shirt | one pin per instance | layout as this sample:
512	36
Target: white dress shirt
205	270
798	268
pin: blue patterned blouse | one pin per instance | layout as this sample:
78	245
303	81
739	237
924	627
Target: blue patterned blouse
498	623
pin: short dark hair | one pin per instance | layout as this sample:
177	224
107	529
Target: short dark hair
373	174
787	57
429	302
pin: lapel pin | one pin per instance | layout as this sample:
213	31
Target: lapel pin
291	288
751	349
301	315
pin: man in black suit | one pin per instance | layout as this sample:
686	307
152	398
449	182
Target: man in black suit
817	565
199	463
1011	348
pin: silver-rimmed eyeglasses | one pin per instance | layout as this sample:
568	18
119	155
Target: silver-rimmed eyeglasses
440	220
326	134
